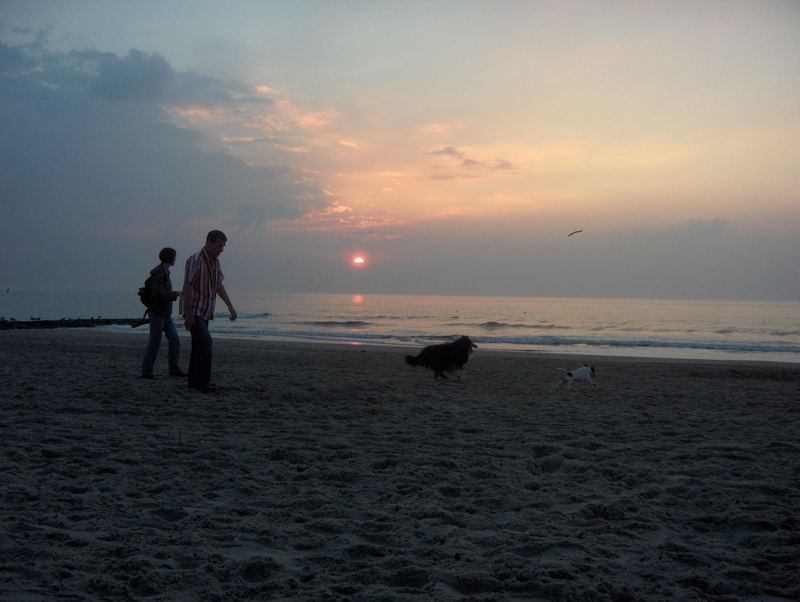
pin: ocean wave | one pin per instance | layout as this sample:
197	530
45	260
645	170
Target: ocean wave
394	338
501	325
394	318
785	333
517	341
492	325
557	341
335	323
734	330
249	315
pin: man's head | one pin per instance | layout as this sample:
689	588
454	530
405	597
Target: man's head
215	243
167	255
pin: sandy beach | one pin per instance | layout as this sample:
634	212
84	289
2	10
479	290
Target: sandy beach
323	472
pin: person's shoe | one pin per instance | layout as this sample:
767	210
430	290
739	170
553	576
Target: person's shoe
147	376
178	373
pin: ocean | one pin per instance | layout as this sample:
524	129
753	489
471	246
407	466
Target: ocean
688	329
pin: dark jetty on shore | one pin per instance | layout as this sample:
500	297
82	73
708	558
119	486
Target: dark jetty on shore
69	323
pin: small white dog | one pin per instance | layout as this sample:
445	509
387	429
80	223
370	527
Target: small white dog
583	374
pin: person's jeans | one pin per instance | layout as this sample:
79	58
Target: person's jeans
159	324
200	359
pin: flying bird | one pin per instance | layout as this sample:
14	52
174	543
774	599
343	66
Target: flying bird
575	232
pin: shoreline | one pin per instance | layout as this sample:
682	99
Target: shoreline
560	355
531	353
326	472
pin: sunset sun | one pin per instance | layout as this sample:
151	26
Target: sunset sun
359	261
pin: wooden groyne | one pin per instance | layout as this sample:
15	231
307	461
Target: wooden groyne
69	323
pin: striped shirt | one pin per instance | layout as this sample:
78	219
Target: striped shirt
204	275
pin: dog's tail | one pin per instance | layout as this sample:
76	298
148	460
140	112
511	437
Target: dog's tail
411	360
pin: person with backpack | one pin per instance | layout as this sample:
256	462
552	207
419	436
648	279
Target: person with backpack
158	295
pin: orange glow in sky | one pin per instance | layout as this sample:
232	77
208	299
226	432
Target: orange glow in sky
671	136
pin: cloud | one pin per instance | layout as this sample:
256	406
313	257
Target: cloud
447	177
341	220
349	144
448	151
149	77
89	152
12	60
468	163
136	76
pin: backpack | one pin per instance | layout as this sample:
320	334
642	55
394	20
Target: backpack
146	293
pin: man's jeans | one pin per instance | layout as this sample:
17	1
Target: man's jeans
200	359
159	324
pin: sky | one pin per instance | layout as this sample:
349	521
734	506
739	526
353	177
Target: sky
452	144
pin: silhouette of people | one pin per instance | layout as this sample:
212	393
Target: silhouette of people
201	284
160	313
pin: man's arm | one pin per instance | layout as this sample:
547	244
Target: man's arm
186	295
224	295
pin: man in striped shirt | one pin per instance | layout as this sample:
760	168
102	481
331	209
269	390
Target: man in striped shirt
202	282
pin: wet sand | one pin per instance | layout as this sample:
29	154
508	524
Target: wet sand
323	472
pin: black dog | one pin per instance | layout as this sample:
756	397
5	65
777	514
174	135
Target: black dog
444	357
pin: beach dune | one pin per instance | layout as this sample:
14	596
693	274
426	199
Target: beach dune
323	472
